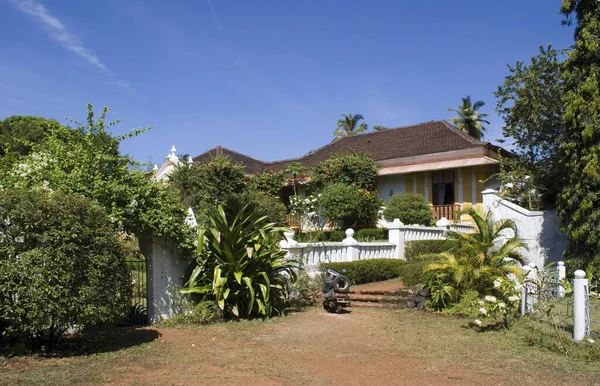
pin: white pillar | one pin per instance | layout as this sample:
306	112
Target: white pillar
562	275
580	287
352	252
396	235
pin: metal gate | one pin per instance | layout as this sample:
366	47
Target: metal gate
138	312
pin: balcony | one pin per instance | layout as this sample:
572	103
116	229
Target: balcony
450	212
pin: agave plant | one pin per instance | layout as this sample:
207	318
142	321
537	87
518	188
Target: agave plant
243	267
480	258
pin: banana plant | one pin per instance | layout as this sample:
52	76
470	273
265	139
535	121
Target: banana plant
245	271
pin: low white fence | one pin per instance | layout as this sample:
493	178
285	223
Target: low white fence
574	304
312	254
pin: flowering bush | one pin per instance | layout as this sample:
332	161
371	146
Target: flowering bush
502	307
307	208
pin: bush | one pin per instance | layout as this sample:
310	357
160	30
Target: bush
304	292
410	209
61	265
336	235
413	273
356	169
467	306
266	182
244	270
416	248
349	205
371	234
204	312
368	271
270	206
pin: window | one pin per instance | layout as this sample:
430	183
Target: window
443	187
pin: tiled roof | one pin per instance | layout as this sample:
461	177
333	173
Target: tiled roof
424	138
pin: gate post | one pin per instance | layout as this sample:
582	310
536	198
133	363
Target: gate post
562	275
580	288
396	235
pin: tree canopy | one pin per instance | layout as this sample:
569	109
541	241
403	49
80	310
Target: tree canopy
579	202
469	119
357	169
530	103
349	124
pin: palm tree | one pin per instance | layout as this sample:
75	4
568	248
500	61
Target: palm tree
479	258
349	124
296	170
469	118
380	128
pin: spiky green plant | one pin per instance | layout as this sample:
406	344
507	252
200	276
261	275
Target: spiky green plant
244	269
481	258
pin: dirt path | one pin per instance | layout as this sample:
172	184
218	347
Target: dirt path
364	347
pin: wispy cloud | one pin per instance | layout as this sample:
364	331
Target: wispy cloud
59	32
215	17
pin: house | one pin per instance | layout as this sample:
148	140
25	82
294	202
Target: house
435	159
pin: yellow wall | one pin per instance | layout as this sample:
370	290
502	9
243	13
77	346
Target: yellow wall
420	181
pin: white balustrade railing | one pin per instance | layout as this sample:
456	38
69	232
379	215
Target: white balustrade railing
312	254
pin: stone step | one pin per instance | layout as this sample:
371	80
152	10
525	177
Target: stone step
379	292
376	298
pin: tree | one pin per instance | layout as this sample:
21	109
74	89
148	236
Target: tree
380	128
86	160
348	125
18	134
267	182
530	102
357	169
469	119
296	170
206	185
61	265
579	201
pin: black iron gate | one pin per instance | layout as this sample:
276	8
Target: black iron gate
138	312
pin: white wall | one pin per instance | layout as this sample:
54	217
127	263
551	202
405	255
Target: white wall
165	272
395	183
539	229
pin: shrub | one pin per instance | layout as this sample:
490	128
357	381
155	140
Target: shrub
413	273
304	292
368	271
410	209
244	271
61	265
416	248
350	206
336	235
466	307
270	206
356	169
266	182
371	234
204	312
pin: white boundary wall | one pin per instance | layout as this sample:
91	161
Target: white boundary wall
538	229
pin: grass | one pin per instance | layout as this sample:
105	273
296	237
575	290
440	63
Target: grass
365	346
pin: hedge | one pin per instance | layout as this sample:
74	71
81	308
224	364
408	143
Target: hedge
368	271
364	234
416	248
412	273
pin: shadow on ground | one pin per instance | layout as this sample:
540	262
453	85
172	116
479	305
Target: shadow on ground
92	341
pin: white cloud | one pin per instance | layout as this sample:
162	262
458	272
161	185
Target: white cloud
59	32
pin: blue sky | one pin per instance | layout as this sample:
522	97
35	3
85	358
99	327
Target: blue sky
268	78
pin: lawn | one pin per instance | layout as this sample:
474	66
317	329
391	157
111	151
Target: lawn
365	346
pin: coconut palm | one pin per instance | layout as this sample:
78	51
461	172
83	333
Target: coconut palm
480	257
349	124
380	128
469	118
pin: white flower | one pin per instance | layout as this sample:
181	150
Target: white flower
491	299
513	298
483	311
591	340
477	322
497	283
501	305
